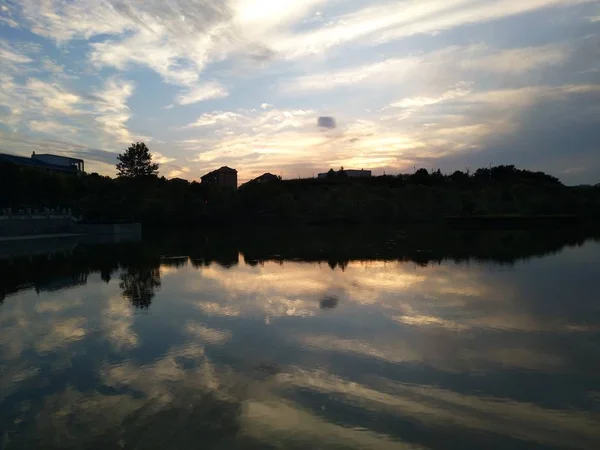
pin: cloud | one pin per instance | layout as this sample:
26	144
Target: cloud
174	39
460	90
420	91
326	122
54	97
450	64
289	140
178	171
376	72
6	16
437	407
148	50
215	118
444	131
51	127
161	159
103	156
117	322
266	121
202	93
177	41
519	60
383	23
545	133
207	335
10	57
113	112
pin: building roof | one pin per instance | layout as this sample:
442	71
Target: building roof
179	180
264	178
220	170
31	162
267	176
57	156
225	169
20	160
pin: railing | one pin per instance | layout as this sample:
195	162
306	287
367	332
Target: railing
35	213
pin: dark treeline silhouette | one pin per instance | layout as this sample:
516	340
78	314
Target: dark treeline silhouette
156	201
136	266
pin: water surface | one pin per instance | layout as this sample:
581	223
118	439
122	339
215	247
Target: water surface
302	339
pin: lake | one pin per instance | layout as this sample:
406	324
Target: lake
320	339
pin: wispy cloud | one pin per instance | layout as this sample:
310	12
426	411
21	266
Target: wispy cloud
202	93
377	24
460	90
454	62
9	56
54	97
214	118
51	127
113	110
519	60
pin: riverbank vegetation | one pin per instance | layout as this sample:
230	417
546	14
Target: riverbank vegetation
503	191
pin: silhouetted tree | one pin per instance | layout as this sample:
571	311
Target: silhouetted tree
459	177
421	177
136	162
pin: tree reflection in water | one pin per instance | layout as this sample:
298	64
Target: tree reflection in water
138	285
141	262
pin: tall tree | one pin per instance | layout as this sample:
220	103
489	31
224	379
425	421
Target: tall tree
136	162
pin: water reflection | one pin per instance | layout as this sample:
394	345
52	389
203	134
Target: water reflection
329	302
138	285
399	341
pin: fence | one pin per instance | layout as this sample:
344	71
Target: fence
34	213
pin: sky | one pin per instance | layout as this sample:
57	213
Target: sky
295	87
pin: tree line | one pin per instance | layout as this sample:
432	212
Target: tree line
139	193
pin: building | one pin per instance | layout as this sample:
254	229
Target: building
75	164
349	173
358	173
225	177
49	163
266	178
263	179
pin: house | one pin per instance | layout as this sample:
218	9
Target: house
46	162
348	173
263	179
266	178
224	177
